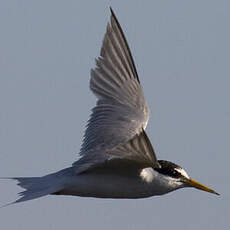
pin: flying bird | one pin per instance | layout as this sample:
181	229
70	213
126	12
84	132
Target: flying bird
117	159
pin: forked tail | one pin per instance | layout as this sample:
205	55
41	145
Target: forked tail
36	187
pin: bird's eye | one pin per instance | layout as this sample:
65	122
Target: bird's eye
175	173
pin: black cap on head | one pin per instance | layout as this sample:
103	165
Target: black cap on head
168	168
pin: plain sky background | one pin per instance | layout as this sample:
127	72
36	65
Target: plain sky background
182	53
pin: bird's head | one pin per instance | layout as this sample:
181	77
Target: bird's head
178	177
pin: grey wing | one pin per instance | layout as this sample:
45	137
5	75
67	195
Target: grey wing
121	112
137	152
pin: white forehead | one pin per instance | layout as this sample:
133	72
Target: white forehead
182	172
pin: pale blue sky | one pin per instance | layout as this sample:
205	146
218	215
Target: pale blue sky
182	53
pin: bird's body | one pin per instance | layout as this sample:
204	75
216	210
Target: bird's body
117	183
108	183
117	158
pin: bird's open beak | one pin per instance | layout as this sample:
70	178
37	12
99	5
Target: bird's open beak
192	183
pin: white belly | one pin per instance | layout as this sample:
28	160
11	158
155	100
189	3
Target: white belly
109	184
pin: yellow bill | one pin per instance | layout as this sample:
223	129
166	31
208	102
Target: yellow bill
195	184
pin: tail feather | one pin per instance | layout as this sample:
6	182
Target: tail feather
36	187
26	182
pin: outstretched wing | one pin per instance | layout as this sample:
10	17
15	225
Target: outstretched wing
138	152
121	113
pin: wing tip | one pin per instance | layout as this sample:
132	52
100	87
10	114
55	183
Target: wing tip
112	12
115	21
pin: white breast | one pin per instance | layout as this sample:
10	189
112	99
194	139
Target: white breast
148	174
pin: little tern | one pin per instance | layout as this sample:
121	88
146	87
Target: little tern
117	159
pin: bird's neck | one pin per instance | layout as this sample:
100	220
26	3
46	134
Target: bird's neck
158	183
